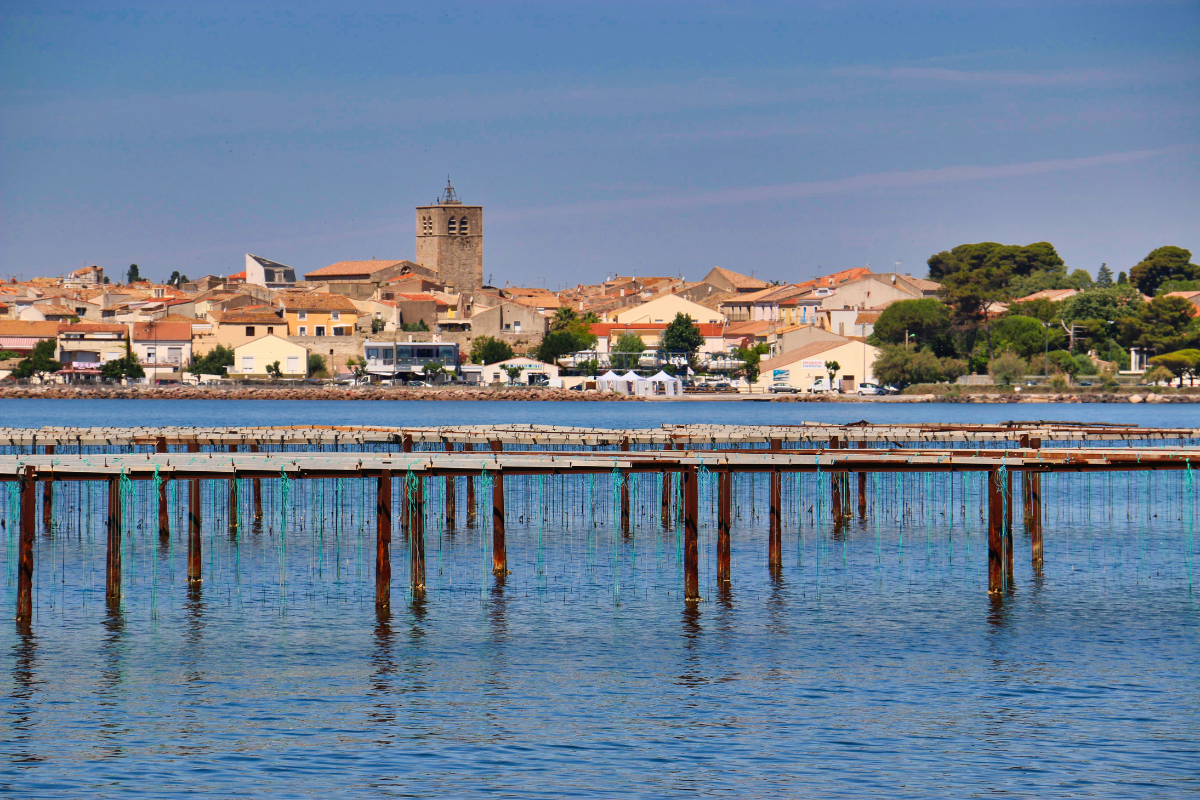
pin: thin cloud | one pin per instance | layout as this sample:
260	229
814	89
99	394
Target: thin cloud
983	77
858	183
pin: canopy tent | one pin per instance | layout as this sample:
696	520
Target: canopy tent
663	384
611	382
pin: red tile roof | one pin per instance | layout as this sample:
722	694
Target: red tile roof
343	269
90	327
162	331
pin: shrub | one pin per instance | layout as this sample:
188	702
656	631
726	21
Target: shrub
1007	368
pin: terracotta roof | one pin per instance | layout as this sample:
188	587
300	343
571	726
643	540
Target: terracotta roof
867	317
45	330
748	328
348	268
1053	295
241	317
836	278
739	280
237	276
54	311
707	329
160	331
90	327
807	351
316	301
182	318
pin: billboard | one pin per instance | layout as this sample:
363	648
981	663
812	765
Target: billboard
780	374
813	363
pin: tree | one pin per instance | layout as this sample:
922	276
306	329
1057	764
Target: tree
215	362
926	320
377	325
126	366
40	361
588	366
274	372
134	274
316	365
514	373
752	357
1163	264
559	343
899	366
1104	277
629	343
563	319
1159	326
1122	279
358	366
1182	363
414	327
1157	375
831	368
1025	336
1007	368
6	355
682	335
1016	260
431	370
487	350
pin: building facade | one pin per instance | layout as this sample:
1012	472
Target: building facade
450	241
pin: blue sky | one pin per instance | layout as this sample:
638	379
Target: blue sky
644	138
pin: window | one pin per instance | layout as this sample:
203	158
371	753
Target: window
339	331
302	315
517	326
249	330
372	353
462	227
335	316
320	331
150	354
293	364
247	363
270	330
304	330
451	226
387	355
174	355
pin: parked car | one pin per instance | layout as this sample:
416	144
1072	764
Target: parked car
1085	383
870	388
419	384
782	386
723	386
576	388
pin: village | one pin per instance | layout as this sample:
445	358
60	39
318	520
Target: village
434	322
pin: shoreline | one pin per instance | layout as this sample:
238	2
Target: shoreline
485	394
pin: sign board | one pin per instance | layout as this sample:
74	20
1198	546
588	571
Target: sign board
813	363
780	374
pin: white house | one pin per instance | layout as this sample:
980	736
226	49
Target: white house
804	365
530	368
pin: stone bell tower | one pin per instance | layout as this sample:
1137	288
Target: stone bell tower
450	240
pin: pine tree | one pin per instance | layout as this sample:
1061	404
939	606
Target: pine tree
1104	277
1122	279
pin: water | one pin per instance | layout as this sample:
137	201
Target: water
874	665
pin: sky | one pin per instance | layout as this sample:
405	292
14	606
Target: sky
780	140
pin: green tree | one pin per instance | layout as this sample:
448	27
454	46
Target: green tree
316	365
134	274
682	335
514	373
926	320
6	355
414	327
1163	264
215	362
274	372
831	369
1157	374
900	366
752	356
1160	325
487	350
358	366
629	343
1025	336
564	318
40	361
557	344
1007	368
1122	279
588	366
377	325
126	366
1041	309
1181	363
1060	361
1104	277
1015	260
1102	303
431	370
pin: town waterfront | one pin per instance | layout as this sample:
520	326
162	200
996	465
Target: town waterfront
873	665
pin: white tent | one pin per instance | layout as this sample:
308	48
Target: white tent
611	382
670	386
634	383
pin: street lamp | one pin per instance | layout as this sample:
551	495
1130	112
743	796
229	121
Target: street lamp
1046	366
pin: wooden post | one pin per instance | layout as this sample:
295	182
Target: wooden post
194	561
775	538
625	475
112	572
164	511
499	548
469	448
724	518
256	491
406	446
383	540
691	528
48	498
665	513
25	547
416	538
996	581
1008	526
233	498
451	505
1035	517
862	488
835	487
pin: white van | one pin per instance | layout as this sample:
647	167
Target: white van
820	385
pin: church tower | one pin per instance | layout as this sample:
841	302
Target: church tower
450	240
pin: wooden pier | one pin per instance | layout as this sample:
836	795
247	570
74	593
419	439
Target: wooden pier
681	454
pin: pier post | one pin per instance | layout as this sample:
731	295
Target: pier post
416	538
194	560
691	530
775	543
1031	496
468	447
995	532
25	548
451	504
256	491
499	548
164	511
112	563
48	498
625	490
406	446
233	498
665	513
383	540
1008	525
724	517
862	488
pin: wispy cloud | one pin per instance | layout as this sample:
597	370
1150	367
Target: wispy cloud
982	77
850	185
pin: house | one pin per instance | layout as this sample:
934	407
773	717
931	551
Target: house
1053	295
876	290
541	300
510	322
271	274
729	281
318	314
531	370
360	279
164	349
663	309
794	337
205	284
46	312
802	366
83	347
404	360
235	328
21	337
85	277
788	305
251	359
831	282
609	333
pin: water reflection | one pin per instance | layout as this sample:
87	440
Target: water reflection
112	679
382	711
21	708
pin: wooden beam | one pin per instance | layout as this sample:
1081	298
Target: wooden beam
724	519
194	560
233	499
416	538
383	540
48	498
112	571
775	533
25	547
862	489
468	447
256	492
995	533
451	505
691	530
164	512
499	546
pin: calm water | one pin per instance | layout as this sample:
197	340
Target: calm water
875	665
